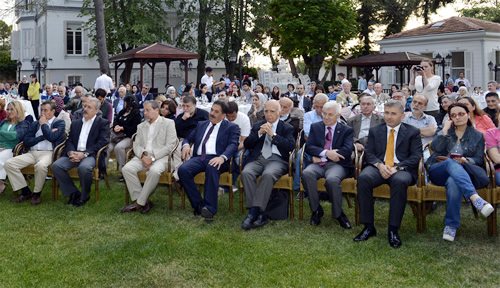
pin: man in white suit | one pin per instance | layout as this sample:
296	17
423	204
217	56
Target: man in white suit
155	140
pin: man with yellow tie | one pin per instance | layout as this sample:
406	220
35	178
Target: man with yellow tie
392	155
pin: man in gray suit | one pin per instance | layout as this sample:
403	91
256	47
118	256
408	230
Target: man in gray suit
363	122
155	141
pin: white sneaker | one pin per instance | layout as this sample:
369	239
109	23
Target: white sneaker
449	233
221	191
235	189
487	210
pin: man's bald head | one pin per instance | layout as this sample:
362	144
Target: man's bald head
272	111
286	105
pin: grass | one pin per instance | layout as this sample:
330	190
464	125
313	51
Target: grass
53	245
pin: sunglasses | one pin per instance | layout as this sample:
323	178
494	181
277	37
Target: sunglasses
459	114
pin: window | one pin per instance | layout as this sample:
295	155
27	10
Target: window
74	41
497	61
72	79
457	64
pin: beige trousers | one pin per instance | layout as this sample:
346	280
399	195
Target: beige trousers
138	192
41	160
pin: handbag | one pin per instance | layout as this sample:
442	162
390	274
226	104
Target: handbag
477	175
277	207
115	138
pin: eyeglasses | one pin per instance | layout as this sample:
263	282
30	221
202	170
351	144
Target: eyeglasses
459	114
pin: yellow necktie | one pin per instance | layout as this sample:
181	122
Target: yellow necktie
389	151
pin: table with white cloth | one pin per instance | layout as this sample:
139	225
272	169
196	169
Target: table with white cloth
28	109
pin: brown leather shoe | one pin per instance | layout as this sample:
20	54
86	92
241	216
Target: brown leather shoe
21	198
130	208
147	207
36	201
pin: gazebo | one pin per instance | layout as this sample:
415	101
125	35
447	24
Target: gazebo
152	54
401	60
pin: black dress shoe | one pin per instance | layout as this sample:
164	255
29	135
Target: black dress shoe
197	210
260	221
207	214
79	203
247	224
394	239
316	216
344	222
365	234
73	198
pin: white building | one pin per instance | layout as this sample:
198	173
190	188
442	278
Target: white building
472	43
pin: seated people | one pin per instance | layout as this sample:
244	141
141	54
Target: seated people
418	119
256	113
305	103
42	137
124	126
492	138
346	97
289	116
492	108
75	103
106	107
362	123
78	115
458	144
60	113
240	119
215	142
479	119
85	138
168	109
118	102
143	96
330	144
392	153
12	131
155	141
271	142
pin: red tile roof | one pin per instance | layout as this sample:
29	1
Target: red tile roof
451	25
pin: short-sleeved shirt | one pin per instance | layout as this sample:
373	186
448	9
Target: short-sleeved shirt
492	138
423	122
243	122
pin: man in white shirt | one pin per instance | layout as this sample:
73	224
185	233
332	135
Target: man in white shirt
104	82
242	120
461	78
370	90
209	80
42	137
86	137
379	96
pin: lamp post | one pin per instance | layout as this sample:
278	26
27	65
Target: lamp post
446	61
494	67
19	66
38	65
232	59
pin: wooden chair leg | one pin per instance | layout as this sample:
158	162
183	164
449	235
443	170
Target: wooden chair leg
105	176
301	204
292	206
424	215
231	197
348	200
97	190
356	209
53	188
419	224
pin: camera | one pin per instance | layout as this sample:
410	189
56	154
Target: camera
418	68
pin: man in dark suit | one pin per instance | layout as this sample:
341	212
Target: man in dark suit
85	138
118	102
143	97
330	144
215	142
304	102
392	154
363	122
271	141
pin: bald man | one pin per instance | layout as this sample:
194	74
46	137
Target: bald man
288	116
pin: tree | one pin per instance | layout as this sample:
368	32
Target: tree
313	29
481	10
5	31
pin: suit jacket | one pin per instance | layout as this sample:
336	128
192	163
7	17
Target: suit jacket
138	98
355	123
164	139
408	147
307	102
342	140
185	127
56	137
283	140
295	122
98	136
227	142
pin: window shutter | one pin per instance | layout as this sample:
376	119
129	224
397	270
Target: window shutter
15	45
468	68
65	27
85	43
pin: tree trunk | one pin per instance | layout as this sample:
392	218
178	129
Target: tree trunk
202	39
293	68
314	63
102	51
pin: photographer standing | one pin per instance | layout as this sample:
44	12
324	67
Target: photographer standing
426	83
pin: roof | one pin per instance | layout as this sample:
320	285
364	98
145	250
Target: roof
154	51
386	59
451	25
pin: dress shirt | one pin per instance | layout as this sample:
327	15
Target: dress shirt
274	147
104	82
284	117
301	102
84	134
362	85
119	106
310	118
396	132
424	122
151	133
210	146
465	80
323	153
371	92
44	145
365	126
209	80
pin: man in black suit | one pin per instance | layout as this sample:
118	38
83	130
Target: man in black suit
215	142
330	144
392	153
305	103
85	138
143	97
271	141
362	123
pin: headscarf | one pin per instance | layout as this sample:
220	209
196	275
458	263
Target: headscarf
59	104
180	89
262	101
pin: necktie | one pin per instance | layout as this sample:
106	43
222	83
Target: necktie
328	143
203	148
389	151
267	149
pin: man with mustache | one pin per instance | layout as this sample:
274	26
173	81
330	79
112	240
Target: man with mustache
215	142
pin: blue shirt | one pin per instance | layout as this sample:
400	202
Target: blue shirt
310	118
119	106
362	84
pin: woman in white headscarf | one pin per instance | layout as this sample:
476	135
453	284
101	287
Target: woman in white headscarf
256	113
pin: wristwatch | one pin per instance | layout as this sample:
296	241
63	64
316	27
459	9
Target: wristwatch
153	158
85	154
398	168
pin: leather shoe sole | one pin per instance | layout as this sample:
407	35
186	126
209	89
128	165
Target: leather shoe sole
207	214
21	198
365	235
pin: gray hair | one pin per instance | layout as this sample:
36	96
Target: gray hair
394	103
420	94
321	97
493	82
347	82
79	88
62	87
146	85
367	96
153	103
122	89
332	104
96	101
447	97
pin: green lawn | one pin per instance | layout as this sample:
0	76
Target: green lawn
53	245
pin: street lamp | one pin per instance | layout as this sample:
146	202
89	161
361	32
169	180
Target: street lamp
190	66
181	66
37	65
494	67
446	61
247	58
19	66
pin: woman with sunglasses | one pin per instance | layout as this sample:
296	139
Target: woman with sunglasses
479	119
456	145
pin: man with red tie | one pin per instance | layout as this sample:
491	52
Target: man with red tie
330	144
392	153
